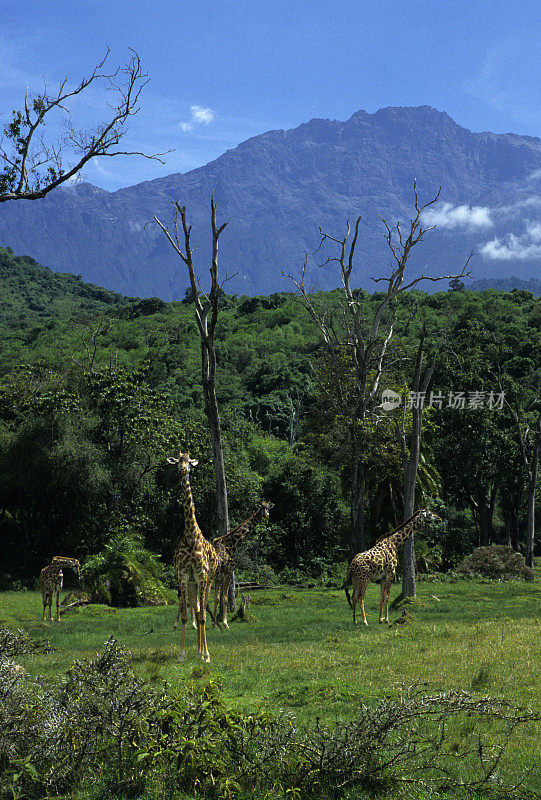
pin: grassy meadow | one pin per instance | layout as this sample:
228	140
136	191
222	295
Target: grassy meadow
302	654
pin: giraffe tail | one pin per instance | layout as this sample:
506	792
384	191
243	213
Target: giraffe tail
345	587
213	618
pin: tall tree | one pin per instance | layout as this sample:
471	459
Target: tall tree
206	307
345	330
32	165
529	436
411	452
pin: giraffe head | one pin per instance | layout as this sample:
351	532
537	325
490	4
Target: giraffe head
185	463
62	561
424	515
266	507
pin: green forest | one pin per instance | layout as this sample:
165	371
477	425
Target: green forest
97	390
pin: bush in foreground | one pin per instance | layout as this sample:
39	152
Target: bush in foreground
102	729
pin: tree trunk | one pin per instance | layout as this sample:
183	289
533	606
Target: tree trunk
357	544
485	518
530	519
231	596
211	411
408	559
411	466
515	530
410	478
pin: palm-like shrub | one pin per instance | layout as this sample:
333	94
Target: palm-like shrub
124	573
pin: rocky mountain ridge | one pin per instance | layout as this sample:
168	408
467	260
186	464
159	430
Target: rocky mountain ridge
277	188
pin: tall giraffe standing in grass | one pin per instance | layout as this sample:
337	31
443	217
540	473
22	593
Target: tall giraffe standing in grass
380	563
51	580
195	562
225	547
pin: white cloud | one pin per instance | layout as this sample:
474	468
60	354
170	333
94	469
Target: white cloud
450	216
204	115
522	248
199	115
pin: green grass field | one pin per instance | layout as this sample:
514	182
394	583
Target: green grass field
304	656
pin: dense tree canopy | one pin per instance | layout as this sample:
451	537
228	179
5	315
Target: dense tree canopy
96	390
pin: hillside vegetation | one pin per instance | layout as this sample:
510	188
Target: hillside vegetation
98	389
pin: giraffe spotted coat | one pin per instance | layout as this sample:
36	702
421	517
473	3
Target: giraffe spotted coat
195	563
379	563
51	580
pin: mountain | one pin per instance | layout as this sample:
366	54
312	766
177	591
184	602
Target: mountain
277	188
506	285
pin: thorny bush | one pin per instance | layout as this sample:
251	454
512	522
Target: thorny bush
102	726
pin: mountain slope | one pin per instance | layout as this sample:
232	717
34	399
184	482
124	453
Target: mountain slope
277	188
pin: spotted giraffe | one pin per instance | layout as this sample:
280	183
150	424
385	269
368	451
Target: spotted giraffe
195	562
51	580
380	563
226	546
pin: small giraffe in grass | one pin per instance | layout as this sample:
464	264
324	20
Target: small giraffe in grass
380	563
195	562
225	547
51	580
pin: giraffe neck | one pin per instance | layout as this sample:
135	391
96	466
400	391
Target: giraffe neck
233	538
190	522
405	532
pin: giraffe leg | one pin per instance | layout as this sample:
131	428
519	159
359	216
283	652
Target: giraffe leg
225	596
58	607
361	593
383	584
217	595
183	609
50	603
194	598
388	584
203	598
193	612
175	625
354	603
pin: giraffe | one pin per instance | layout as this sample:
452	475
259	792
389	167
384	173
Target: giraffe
195	562
51	580
225	547
380	562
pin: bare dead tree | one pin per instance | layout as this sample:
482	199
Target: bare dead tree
32	166
529	437
344	329
410	447
206	315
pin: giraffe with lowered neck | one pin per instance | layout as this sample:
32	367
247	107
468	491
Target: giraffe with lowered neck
195	562
51	580
226	546
380	563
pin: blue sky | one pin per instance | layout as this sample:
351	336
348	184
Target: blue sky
224	71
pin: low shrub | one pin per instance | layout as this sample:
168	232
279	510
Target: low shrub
18	643
104	730
495	561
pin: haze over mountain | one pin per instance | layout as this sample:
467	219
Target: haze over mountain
277	188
